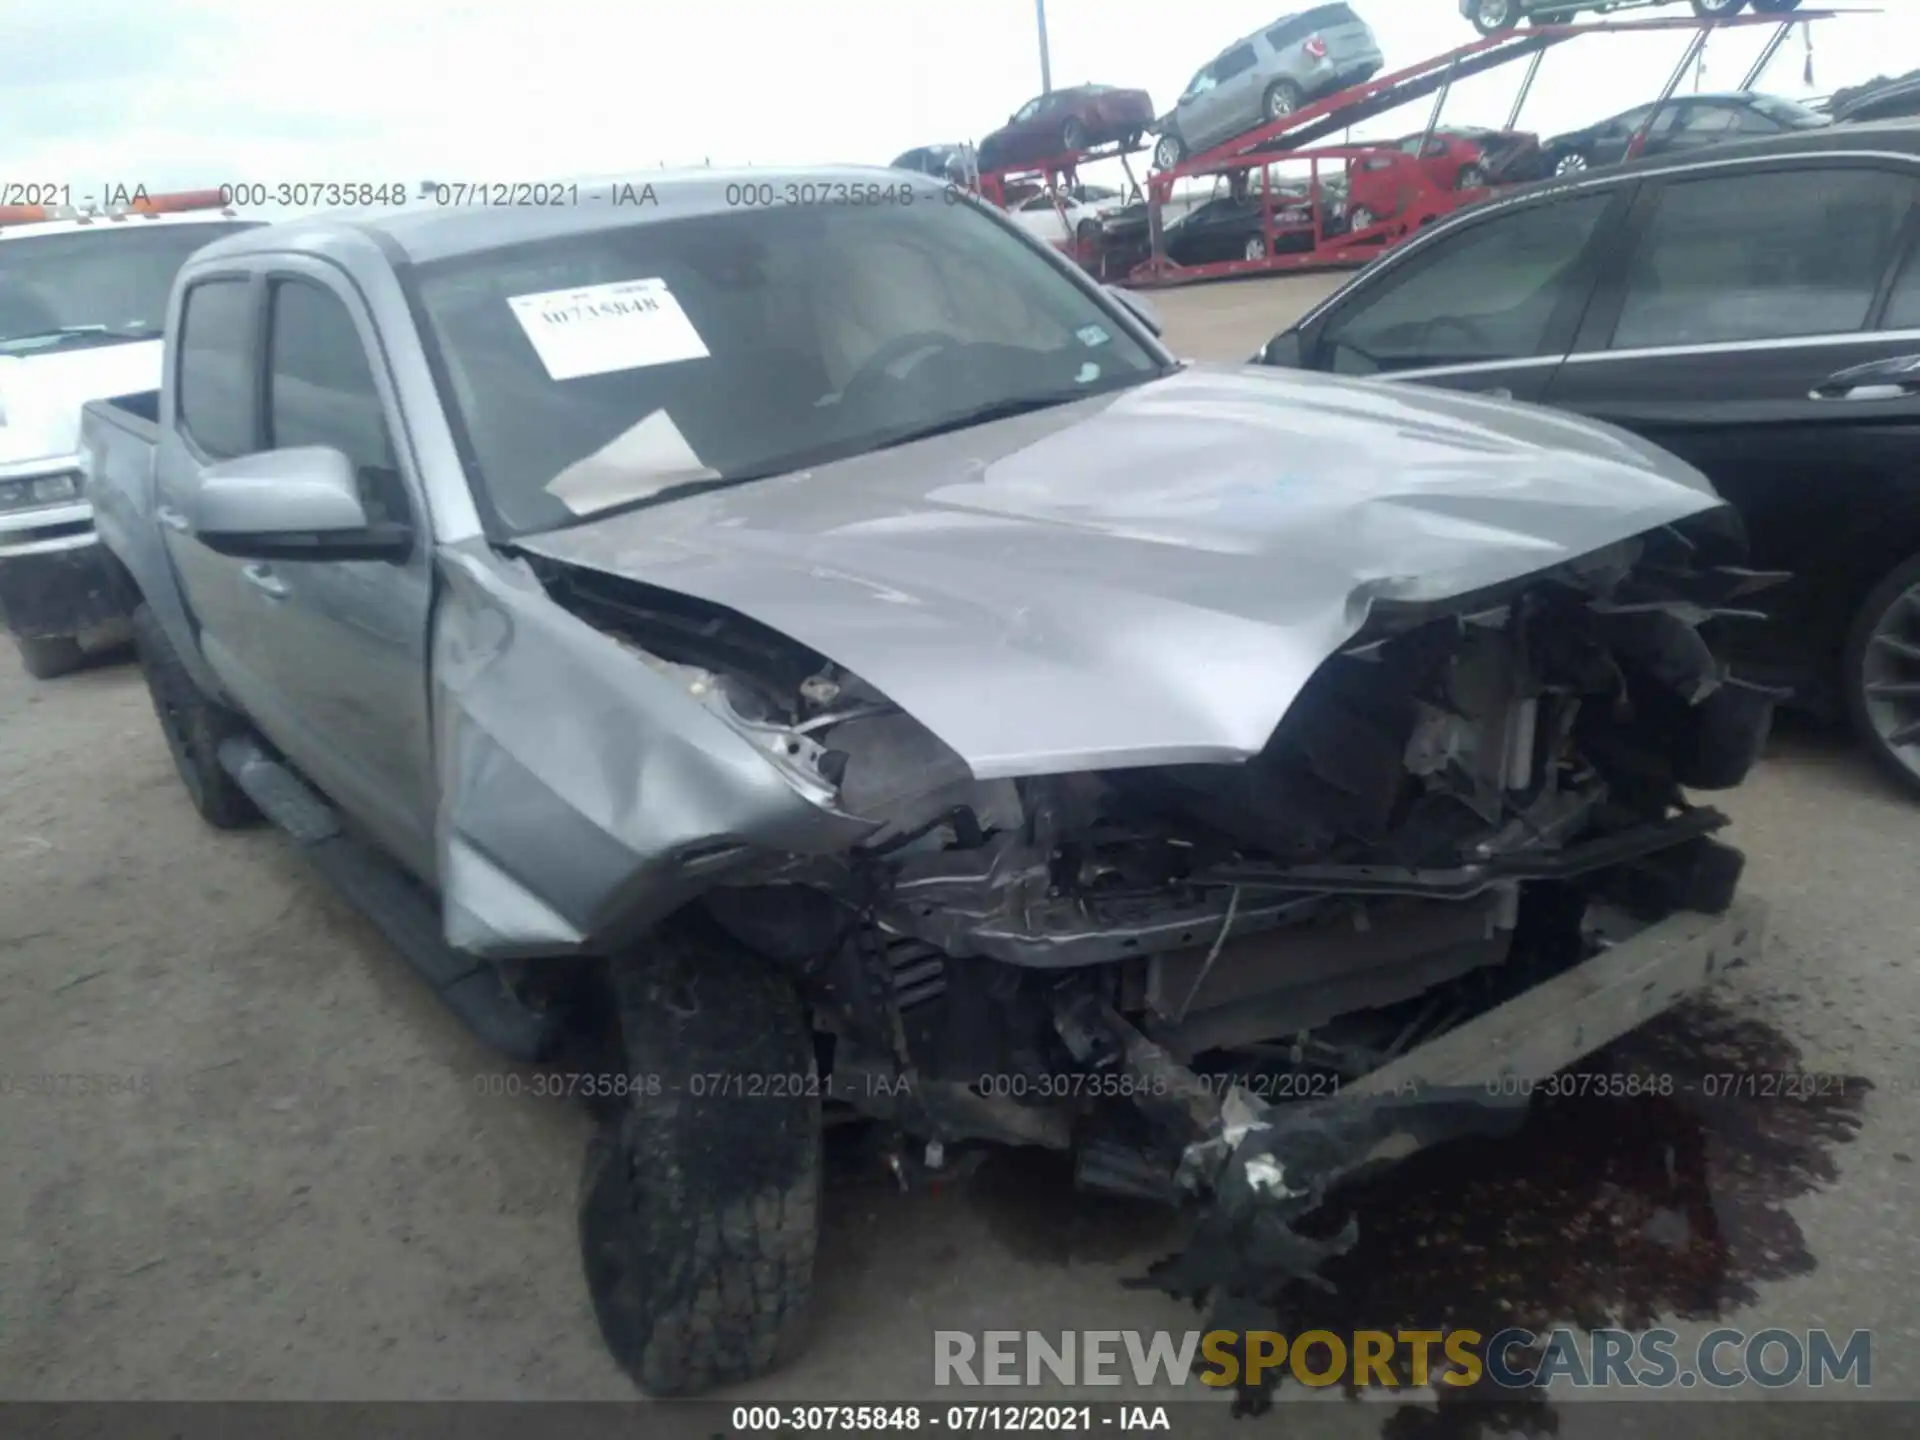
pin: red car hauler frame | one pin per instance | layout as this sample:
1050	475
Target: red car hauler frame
1422	201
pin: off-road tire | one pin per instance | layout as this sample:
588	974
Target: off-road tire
47	656
193	724
700	1200
1853	670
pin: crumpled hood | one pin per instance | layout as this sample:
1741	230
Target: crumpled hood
41	394
1148	577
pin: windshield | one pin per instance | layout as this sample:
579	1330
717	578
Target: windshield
97	286
591	371
1788	113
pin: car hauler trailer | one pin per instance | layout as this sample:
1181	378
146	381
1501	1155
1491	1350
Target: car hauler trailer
1286	140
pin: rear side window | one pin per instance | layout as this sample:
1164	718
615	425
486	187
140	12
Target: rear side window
1903	306
1762	256
215	367
321	391
1489	293
1235	62
1308	23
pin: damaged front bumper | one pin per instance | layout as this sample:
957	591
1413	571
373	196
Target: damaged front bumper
1259	1167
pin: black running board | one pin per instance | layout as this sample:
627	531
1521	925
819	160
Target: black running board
470	987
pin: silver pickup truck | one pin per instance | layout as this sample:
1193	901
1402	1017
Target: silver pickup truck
837	644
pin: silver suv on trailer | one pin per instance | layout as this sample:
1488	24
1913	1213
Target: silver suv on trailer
1266	75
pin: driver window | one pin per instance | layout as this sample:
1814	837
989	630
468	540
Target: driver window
1631	122
1706	121
1029	110
1489	293
1200	84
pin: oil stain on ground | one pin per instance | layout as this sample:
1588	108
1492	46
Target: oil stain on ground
1601	1211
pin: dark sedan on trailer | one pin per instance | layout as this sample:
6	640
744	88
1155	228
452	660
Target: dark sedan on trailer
944	162
1490	17
1779	355
1230	226
1067	122
1686	122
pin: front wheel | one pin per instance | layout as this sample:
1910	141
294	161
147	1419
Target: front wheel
1880	673
47	656
699	1204
1255	248
1471	177
1574	162
1490	17
1361	218
1169	152
1717	9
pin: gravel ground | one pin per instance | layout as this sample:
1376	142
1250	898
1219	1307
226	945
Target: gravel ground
311	1195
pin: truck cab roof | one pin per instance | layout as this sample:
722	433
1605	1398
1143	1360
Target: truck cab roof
427	231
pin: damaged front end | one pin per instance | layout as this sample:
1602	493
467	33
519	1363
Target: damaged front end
1193	977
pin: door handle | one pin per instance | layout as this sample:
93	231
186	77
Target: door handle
1498	392
1896	378
262	578
172	519
1869	390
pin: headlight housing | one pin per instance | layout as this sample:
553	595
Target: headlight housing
31	491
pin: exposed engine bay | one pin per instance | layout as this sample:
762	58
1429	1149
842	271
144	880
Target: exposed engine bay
1146	966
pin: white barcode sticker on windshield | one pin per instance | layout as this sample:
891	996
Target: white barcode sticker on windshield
602	328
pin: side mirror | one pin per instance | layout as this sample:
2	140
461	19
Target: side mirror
298	504
1284	350
1141	308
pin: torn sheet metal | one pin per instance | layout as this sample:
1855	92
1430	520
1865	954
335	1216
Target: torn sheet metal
584	794
1147	578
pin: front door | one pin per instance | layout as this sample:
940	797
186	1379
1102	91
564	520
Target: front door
212	415
1490	307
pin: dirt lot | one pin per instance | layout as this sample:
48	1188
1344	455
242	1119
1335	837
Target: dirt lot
310	1194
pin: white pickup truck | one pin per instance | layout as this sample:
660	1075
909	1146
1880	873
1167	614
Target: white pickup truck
82	299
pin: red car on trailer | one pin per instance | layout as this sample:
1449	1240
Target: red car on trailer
1063	123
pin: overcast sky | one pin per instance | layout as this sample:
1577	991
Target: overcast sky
172	93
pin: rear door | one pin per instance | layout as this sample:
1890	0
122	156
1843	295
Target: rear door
1736	298
1489	307
211	414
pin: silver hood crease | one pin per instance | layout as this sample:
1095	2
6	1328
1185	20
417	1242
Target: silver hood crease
1145	578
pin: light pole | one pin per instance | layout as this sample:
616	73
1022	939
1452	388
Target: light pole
1046	72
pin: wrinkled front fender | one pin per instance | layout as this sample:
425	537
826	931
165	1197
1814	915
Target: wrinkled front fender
584	794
